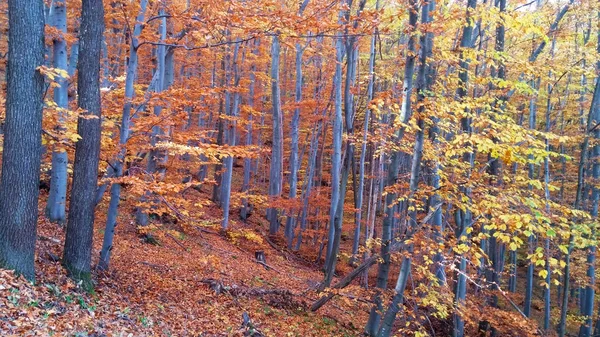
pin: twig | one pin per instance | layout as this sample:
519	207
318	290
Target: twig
176	241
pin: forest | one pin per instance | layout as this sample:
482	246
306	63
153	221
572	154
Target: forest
299	168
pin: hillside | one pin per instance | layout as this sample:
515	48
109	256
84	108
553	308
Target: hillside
187	284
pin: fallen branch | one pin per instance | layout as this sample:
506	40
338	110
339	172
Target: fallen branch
279	298
367	264
49	239
177	241
204	230
345	282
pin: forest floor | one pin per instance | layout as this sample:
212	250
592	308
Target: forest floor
193	280
198	282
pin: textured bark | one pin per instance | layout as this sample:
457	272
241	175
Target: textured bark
57	197
80	224
22	136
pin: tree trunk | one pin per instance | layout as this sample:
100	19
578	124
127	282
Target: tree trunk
393	169
246	207
593	120
231	133
464	216
57	197
22	136
424	82
115	190
80	224
276	170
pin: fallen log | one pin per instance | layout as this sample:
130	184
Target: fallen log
275	297
368	263
345	282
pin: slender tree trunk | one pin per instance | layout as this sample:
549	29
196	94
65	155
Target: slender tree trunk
231	135
276	170
80	225
424	82
115	190
294	162
336	157
246	207
465	216
22	136
372	326
57	198
157	157
593	120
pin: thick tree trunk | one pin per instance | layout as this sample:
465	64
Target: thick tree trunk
22	136
80	225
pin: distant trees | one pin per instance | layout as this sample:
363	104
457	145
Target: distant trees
403	134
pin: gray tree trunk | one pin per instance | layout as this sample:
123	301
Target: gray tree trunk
423	86
157	157
336	158
465	216
57	197
313	149
80	225
230	138
363	152
294	162
246	207
593	120
22	136
393	169
276	170
115	190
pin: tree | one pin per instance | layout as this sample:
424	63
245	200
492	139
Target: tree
57	197
22	136
124	131
77	257
276	168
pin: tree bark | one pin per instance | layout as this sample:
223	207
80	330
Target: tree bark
22	136
80	224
